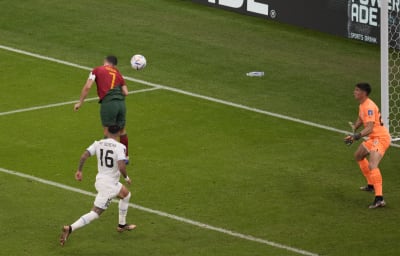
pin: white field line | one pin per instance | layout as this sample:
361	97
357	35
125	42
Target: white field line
160	86
297	120
66	103
167	215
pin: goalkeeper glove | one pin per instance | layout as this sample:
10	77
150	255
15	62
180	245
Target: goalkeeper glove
348	140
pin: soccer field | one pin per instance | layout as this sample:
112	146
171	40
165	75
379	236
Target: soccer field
223	164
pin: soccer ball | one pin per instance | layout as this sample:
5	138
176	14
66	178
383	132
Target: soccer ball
138	62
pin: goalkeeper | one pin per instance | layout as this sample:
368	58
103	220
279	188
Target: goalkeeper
375	146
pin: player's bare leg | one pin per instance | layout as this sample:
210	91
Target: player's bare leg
360	156
374	159
82	221
124	196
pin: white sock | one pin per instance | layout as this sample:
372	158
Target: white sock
123	209
84	220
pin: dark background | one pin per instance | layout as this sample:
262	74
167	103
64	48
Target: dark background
330	16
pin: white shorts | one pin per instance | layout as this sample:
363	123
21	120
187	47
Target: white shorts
106	192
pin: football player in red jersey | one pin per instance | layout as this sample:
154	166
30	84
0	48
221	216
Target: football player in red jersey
111	89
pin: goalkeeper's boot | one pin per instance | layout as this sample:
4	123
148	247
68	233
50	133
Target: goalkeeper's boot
126	227
66	231
377	203
367	188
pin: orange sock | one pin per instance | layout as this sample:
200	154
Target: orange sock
364	166
376	178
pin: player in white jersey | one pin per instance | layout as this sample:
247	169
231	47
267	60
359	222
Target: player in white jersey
111	164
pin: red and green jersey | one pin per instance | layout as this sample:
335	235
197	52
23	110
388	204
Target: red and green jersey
109	81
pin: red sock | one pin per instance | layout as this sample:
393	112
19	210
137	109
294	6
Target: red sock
124	140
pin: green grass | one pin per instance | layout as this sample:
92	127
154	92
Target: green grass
202	50
24	235
231	168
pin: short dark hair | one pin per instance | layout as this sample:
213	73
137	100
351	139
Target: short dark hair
114	129
112	60
364	87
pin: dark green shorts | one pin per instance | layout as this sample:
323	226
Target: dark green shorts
113	112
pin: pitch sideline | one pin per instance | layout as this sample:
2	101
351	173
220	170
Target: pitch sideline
167	215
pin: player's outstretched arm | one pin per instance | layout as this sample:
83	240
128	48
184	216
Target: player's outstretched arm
125	90
82	160
84	93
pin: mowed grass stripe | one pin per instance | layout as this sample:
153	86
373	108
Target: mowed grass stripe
167	215
224	102
159	86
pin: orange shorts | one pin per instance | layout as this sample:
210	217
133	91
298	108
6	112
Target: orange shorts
377	144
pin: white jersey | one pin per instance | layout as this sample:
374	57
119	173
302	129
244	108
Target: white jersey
108	152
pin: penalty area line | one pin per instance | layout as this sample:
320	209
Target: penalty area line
66	103
167	215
